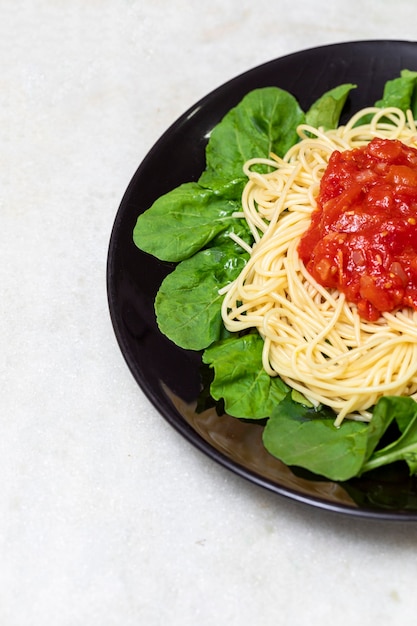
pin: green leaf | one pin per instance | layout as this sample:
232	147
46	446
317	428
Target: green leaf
382	418
307	438
326	111
186	219
399	92
248	391
183	221
238	227
265	120
300	436
404	411
188	304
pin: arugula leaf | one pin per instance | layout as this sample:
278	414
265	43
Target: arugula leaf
183	221
301	436
265	120
239	378
399	92
326	111
188	304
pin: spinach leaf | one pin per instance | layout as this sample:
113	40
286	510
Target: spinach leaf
301	436
186	219
382	417
326	111
400	92
401	409
238	227
183	221
404	411
239	378
188	304
265	120
191	223
307	438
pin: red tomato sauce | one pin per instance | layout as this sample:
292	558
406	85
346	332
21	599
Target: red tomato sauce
363	234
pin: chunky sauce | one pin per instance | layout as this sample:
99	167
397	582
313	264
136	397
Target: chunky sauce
363	235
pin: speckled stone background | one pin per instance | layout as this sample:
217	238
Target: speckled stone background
107	516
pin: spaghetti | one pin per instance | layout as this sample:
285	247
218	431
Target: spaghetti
314	339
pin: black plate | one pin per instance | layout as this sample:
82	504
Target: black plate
169	376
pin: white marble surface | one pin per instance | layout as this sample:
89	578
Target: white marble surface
107	516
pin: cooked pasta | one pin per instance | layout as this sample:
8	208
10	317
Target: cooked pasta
313	338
